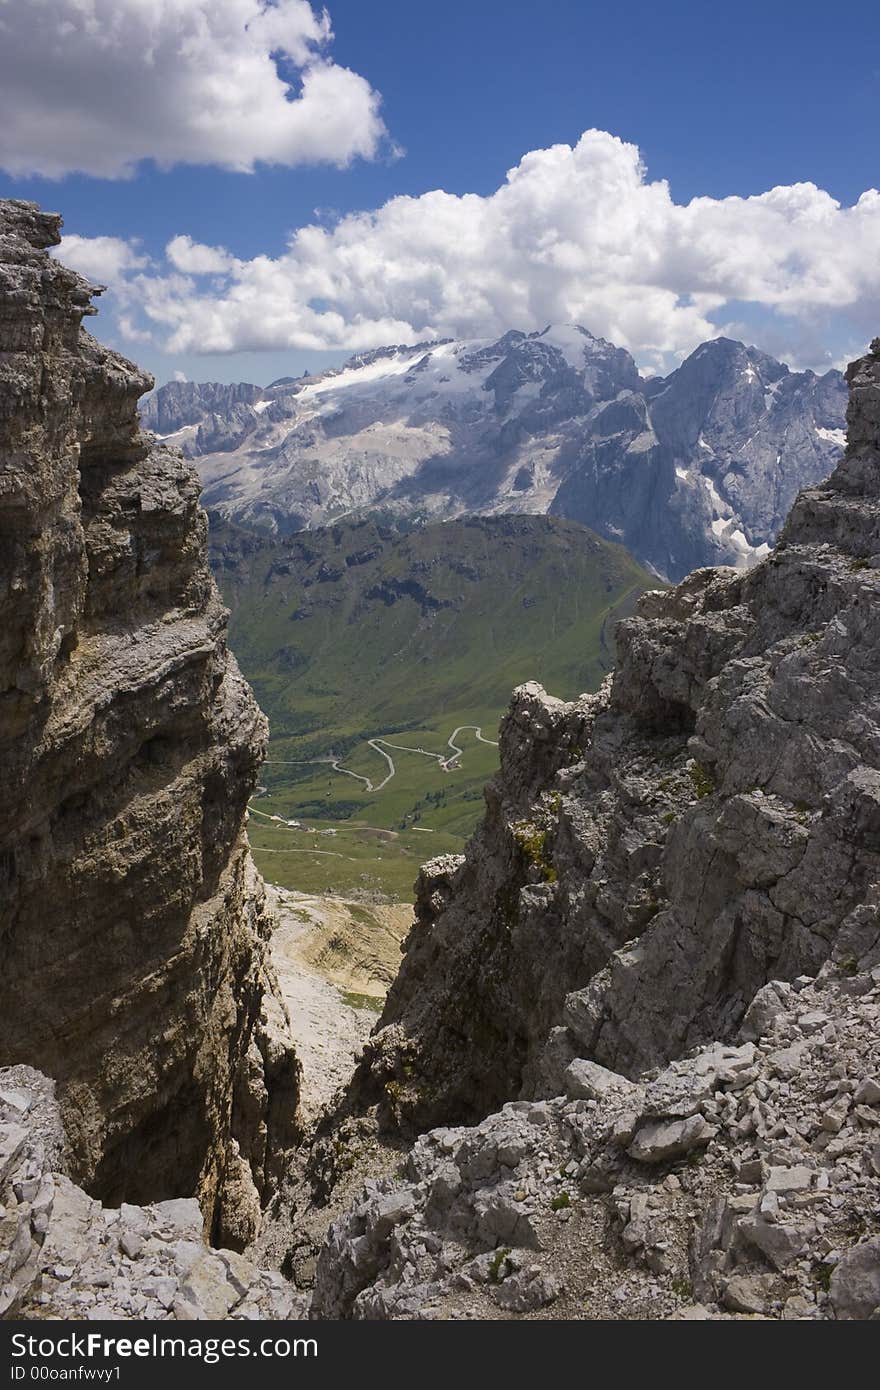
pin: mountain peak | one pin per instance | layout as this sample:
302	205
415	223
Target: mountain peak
695	468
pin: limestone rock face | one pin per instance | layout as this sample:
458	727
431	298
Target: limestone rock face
654	854
133	926
725	1185
64	1255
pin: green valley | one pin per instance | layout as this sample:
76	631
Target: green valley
385	660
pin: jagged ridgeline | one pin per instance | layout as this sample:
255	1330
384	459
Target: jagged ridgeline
132	925
696	468
358	632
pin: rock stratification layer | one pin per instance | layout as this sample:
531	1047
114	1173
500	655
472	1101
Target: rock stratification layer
132	923
654	854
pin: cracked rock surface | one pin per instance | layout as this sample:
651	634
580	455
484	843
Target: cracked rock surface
133	928
64	1255
726	1184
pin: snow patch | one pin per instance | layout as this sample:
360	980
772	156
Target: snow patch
360	376
175	434
725	528
772	391
571	341
833	436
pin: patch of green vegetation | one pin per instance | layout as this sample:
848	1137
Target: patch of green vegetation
327	810
355	862
532	842
371	1002
499	1266
859	564
337	658
848	966
682	1288
668	817
344	1155
704	782
560	1202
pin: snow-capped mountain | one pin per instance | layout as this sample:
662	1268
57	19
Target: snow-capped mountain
697	468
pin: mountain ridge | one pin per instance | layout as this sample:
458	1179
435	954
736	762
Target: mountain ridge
695	468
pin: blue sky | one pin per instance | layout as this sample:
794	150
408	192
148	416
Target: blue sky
720	103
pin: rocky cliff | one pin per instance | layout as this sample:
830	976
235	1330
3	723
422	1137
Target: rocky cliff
64	1255
652	855
132	923
658	964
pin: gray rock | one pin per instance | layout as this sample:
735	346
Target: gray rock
527	1290
855	1283
660	1140
781	1243
586	1080
868	1091
784	1180
748	1293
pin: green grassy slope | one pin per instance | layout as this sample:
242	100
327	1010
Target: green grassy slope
359	632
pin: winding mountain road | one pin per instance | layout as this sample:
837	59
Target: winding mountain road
448	763
332	762
456	751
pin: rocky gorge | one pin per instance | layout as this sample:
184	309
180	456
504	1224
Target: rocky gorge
630	1065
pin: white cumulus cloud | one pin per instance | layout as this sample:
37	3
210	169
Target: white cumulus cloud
574	234
96	86
105	260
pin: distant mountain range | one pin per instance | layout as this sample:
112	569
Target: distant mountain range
699	467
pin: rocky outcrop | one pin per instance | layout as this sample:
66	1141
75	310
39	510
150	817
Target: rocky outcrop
741	1181
133	929
654	978
653	855
203	416
63	1255
696	468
